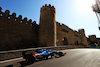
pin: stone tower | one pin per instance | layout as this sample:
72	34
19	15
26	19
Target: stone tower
83	37
47	28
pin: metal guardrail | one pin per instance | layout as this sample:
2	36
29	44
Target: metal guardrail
28	49
11	54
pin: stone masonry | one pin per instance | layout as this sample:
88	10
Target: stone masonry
18	33
15	32
52	33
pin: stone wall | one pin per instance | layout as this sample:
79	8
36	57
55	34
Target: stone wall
15	32
18	33
52	33
47	26
92	40
72	37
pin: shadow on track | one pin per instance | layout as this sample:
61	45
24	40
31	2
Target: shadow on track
24	63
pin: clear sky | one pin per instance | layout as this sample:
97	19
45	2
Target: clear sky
76	14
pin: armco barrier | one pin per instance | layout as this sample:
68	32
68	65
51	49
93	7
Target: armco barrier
6	55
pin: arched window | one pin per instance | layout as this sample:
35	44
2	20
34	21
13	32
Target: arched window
65	41
76	43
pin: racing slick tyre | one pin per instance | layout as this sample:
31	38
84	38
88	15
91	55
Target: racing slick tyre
60	54
45	57
30	60
49	56
56	55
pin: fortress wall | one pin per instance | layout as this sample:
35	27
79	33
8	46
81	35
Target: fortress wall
83	37
47	26
59	34
64	31
77	37
15	32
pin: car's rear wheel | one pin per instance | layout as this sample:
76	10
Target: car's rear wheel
49	56
30	60
45	57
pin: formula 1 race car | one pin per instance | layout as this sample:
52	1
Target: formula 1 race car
38	55
41	54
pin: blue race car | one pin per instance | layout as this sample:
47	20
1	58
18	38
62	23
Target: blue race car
38	55
42	54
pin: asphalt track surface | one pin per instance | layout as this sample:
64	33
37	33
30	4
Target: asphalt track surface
73	58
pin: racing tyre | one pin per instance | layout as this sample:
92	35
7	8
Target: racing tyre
60	54
46	57
49	56
31	60
56	55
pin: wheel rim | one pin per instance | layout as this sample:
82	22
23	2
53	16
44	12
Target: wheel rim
56	55
49	56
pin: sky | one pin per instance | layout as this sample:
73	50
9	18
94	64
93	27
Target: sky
76	14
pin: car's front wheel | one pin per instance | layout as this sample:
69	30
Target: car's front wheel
56	55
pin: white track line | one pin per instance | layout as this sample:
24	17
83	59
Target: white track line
1	62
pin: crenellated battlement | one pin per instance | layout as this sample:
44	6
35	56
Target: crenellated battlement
76	33
81	31
64	27
57	23
16	32
48	8
5	16
67	29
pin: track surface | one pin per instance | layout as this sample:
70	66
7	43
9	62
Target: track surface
73	58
